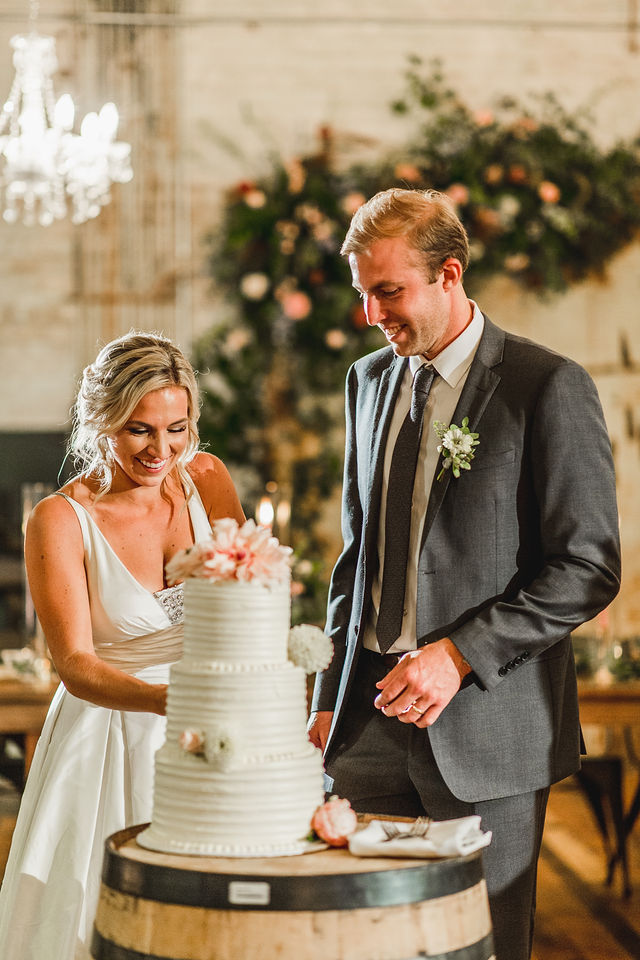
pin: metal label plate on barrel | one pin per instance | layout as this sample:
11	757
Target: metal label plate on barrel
249	893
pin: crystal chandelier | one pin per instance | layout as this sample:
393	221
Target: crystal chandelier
42	162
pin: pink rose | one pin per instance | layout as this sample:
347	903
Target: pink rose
484	118
548	192
517	173
296	305
458	193
334	821
191	741
407	171
352	202
493	173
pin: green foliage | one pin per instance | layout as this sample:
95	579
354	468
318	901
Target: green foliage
540	200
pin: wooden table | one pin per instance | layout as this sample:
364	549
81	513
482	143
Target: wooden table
23	707
616	705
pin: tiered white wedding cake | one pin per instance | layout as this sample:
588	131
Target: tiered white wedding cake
237	775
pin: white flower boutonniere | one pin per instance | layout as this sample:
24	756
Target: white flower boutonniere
456	446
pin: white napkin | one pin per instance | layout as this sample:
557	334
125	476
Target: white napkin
445	838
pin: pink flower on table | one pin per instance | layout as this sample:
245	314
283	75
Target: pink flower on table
334	821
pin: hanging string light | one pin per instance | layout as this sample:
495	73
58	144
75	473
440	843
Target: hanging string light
45	168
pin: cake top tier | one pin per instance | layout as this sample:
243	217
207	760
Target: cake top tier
249	553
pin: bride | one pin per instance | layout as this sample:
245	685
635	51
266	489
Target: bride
95	553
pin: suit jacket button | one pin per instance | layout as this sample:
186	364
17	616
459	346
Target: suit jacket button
525	655
503	671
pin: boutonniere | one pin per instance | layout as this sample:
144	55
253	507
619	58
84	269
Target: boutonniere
456	446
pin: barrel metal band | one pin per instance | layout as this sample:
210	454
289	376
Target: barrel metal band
382	888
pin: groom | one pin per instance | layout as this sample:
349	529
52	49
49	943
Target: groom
452	690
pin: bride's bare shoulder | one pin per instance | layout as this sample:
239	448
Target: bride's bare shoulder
206	466
215	486
55	509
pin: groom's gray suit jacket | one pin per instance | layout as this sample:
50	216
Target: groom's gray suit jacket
516	553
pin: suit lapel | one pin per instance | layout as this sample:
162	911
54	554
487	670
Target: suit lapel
389	386
480	384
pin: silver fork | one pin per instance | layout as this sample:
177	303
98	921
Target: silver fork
419	828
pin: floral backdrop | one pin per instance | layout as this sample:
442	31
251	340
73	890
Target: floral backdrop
540	201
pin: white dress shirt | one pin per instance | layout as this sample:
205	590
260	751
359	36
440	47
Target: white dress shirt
452	366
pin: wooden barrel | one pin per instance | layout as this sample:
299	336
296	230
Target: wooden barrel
326	905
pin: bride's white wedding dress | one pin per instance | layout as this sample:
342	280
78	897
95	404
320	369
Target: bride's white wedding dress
92	771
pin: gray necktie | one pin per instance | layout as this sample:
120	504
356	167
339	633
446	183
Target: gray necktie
402	475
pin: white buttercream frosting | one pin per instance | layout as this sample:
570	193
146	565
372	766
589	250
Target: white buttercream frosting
253	781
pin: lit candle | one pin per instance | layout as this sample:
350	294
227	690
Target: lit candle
265	512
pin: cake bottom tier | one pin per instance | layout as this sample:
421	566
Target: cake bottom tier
259	810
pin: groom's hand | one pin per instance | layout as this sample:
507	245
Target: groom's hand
422	683
319	726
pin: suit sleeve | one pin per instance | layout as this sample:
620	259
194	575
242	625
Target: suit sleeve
339	609
574	489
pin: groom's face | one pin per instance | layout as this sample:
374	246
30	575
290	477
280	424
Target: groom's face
413	314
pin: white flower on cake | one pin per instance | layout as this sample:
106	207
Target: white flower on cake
309	648
216	745
232	552
220	748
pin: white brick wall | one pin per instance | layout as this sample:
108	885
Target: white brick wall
188	74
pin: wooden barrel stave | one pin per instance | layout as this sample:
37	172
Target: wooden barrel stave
452	926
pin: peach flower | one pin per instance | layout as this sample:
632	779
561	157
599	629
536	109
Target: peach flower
408	172
334	821
517	173
494	173
296	305
548	192
191	741
458	193
483	118
335	339
352	202
517	262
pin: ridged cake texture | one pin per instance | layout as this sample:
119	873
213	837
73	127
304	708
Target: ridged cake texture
253	786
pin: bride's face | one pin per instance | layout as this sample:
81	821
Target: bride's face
147	447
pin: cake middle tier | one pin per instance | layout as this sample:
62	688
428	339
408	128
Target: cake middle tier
263	708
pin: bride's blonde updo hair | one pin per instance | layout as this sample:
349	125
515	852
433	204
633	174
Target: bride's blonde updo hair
123	373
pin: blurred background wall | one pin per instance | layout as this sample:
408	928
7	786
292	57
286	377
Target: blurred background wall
207	91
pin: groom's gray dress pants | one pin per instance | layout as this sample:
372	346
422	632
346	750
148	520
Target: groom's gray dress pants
384	766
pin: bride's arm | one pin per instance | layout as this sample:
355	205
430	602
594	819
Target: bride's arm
54	557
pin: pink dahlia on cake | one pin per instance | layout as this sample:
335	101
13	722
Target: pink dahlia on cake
232	552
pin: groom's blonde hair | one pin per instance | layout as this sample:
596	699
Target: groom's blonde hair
427	218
